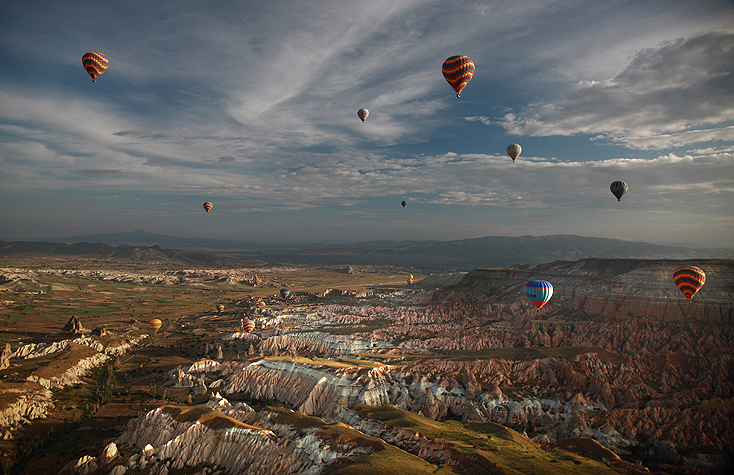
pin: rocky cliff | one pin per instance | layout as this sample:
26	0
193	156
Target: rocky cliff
621	288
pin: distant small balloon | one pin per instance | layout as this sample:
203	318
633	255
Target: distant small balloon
284	292
261	304
247	325
208	206
514	150
220	308
618	188
363	114
95	63
155	324
404	204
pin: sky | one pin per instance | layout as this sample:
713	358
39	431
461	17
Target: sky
253	105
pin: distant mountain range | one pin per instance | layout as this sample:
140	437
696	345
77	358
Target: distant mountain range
459	255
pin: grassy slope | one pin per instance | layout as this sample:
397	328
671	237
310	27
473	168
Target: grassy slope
512	452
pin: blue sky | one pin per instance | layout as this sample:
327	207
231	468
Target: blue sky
253	106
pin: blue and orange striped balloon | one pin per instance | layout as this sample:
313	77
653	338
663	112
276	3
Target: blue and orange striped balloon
95	64
284	292
458	71
155	324
689	280
539	292
248	325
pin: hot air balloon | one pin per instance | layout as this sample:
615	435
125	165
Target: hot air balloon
539	292
458	71
689	280
514	150
363	114
220	308
155	324
261	304
618	188
208	206
404	204
284	292
247	325
95	64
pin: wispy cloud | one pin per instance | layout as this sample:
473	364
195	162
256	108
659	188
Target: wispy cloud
667	97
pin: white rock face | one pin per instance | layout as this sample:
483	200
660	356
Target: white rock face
29	401
73	375
313	390
164	441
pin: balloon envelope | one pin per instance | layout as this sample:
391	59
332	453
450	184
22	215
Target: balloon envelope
404	204
363	113
284	292
458	71
514	150
208	206
248	325
539	292
95	63
689	280
618	188
261	304
220	308
155	324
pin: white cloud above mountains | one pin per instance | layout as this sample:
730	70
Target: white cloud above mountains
672	96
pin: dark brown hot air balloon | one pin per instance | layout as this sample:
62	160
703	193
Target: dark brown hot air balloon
208	206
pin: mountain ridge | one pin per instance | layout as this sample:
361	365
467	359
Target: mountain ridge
456	255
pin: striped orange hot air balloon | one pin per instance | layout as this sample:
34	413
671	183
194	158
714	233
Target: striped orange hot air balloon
155	324
458	71
208	206
247	325
220	308
95	64
689	280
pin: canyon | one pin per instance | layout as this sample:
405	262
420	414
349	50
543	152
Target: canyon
618	370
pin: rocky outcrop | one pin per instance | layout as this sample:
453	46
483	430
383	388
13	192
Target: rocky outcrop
73	326
182	437
5	356
72	375
22	402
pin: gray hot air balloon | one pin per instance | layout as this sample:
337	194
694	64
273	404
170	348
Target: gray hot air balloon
363	114
514	150
618	188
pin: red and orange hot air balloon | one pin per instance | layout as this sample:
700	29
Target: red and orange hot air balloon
458	71
155	324
689	280
95	63
247	325
208	206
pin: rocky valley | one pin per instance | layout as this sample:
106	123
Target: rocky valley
361	373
